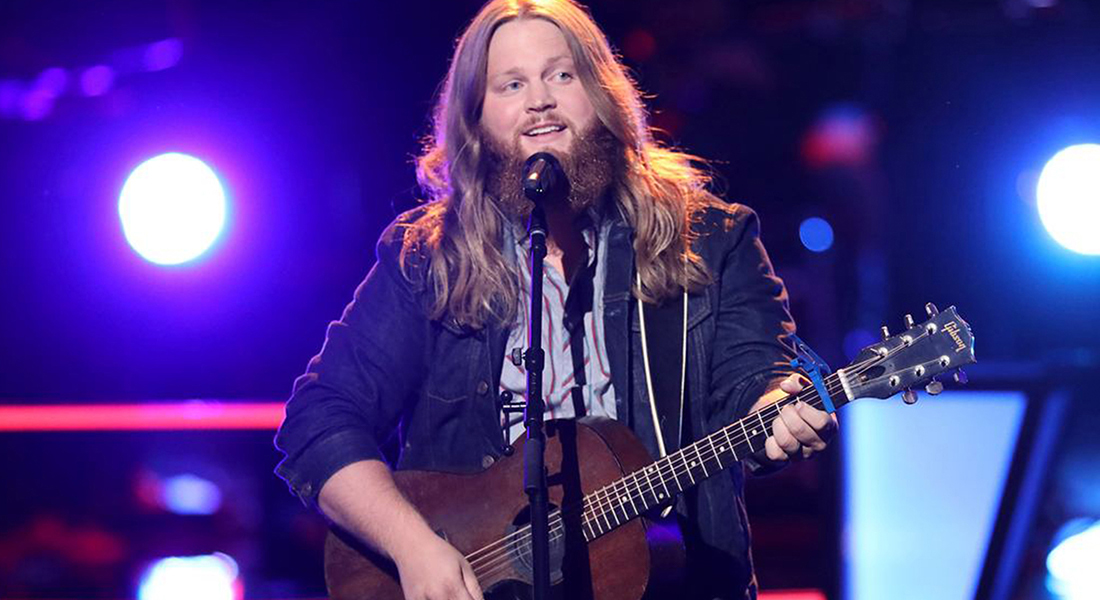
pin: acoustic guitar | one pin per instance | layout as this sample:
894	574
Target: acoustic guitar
606	539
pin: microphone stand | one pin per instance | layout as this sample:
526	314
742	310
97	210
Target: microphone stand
534	468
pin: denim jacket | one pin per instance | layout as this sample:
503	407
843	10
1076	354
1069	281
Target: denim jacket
391	384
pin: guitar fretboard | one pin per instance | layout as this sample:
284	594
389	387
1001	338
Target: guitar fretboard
658	483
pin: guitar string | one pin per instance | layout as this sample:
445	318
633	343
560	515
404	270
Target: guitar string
602	504
605	503
520	549
666	461
595	510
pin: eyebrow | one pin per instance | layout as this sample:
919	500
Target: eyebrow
550	62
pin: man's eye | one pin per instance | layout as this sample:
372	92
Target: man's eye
563	76
511	86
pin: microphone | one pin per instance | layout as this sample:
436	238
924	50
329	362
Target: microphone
544	179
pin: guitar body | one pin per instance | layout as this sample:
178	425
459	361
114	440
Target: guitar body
475	511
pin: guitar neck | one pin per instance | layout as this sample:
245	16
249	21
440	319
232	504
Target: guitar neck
666	478
658	483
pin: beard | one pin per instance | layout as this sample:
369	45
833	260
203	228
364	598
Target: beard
593	161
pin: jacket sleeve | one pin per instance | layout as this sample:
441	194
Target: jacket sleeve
752	349
353	394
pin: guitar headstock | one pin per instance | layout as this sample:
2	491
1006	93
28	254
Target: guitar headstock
913	357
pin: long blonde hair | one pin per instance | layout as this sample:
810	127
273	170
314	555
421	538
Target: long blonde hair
659	191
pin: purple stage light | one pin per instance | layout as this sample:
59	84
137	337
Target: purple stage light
172	208
52	81
162	55
95	81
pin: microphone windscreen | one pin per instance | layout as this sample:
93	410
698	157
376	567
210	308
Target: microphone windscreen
544	179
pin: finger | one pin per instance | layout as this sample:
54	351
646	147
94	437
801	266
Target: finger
791	385
783	435
773	451
802	432
470	580
822	422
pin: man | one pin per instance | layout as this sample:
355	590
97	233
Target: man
420	352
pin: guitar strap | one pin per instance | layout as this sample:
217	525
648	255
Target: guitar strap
578	303
664	354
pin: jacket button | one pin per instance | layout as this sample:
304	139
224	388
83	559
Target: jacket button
482	387
487	461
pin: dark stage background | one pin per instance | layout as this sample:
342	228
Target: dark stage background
917	129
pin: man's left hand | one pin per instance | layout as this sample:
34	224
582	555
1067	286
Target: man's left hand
800	430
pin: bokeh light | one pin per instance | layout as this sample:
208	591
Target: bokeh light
816	234
189	494
1069	198
210	577
172	208
1072	563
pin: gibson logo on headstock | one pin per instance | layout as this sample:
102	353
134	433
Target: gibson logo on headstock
952	329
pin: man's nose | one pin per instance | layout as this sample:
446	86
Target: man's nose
540	98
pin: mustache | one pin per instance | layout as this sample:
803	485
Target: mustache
536	121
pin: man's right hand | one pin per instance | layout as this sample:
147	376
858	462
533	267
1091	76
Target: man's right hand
432	569
363	499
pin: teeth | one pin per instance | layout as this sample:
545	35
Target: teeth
545	129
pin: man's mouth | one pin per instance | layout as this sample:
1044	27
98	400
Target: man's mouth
544	129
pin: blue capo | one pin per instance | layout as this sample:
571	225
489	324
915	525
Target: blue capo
811	363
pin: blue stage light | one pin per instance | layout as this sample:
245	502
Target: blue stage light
210	577
172	208
1068	196
816	234
1071	565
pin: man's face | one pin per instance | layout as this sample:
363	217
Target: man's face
534	100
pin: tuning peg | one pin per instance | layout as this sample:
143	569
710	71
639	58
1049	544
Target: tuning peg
960	377
933	388
885	332
909	396
909	322
931	309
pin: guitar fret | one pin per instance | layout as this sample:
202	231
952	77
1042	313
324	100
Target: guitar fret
652	490
717	454
748	440
675	476
617	502
668	494
702	461
687	467
630	496
762	425
603	509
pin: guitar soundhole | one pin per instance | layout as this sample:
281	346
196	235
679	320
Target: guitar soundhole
521	561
